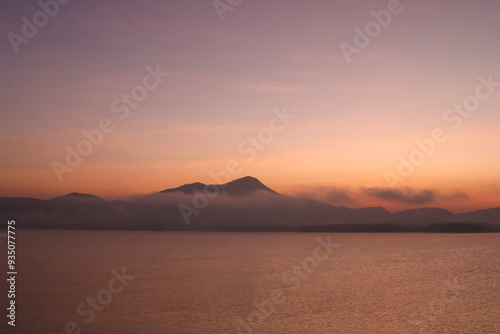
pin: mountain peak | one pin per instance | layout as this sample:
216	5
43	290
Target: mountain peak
78	196
238	187
244	186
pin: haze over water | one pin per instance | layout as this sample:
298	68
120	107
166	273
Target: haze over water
205	282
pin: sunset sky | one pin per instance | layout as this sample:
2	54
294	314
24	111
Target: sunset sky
352	120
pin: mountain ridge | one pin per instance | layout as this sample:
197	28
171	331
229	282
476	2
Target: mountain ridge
240	186
242	202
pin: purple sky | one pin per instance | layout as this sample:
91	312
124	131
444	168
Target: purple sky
352	121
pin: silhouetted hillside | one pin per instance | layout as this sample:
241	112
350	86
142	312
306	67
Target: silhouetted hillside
446	227
488	216
434	213
243	186
240	205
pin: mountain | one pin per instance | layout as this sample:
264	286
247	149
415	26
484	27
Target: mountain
424	213
488	216
19	204
240	187
423	216
245	186
186	189
78	197
245	204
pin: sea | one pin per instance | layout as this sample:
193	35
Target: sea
216	282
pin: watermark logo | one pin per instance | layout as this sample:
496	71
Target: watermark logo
122	107
292	280
30	28
454	117
249	149
373	28
223	6
104	297
436	307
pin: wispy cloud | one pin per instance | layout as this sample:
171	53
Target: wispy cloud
339	196
456	195
408	195
359	196
404	195
302	74
273	87
333	195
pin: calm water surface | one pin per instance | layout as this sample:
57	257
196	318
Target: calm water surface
212	282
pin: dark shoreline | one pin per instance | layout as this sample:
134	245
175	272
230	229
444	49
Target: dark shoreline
459	227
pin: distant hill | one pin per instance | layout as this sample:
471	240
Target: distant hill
243	186
245	204
186	189
78	197
433	213
488	216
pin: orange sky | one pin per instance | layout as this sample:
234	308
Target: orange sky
352	120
